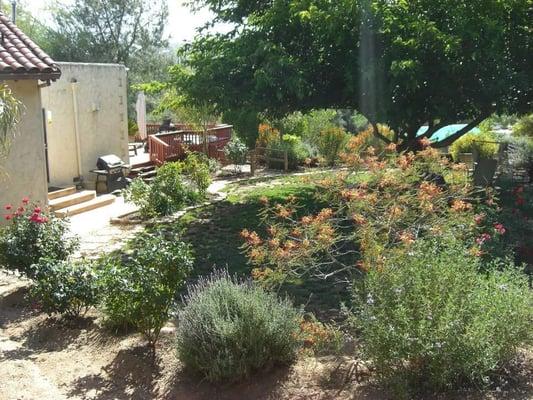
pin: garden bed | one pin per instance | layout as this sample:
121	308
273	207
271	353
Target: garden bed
49	359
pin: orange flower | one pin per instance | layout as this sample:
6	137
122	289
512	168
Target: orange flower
405	160
407	237
395	212
461	167
273	243
460	205
283	212
252	238
272	230
324	214
425	142
391	147
290	245
429	188
362	266
257	255
307	220
296	232
359	219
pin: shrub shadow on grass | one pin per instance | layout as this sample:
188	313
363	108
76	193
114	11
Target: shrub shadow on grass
214	231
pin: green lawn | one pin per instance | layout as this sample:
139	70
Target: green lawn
214	234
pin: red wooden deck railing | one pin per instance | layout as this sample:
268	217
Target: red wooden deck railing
171	146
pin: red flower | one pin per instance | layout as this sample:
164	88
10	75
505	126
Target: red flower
483	238
518	189
37	210
499	228
8	217
35	217
520	201
478	218
21	209
8	207
25	200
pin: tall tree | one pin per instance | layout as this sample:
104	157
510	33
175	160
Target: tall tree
118	31
31	26
130	32
403	63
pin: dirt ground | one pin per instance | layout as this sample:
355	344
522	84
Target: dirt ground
48	359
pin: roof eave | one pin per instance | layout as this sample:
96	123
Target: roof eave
42	76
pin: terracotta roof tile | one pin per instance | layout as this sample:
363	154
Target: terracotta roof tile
20	57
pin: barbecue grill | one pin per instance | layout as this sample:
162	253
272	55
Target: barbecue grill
112	169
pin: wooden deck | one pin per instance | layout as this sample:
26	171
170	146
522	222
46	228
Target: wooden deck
171	146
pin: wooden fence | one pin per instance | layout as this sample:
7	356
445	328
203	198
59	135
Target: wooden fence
172	146
262	155
153	129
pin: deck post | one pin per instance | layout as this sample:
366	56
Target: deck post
253	161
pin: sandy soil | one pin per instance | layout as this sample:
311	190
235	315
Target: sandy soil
49	359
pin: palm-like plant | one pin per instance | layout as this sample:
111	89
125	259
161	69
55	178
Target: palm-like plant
10	112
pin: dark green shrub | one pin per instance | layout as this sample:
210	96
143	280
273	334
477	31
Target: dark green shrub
133	128
236	151
475	142
140	289
331	143
296	152
176	185
30	235
63	287
228	330
197	171
524	127
429	319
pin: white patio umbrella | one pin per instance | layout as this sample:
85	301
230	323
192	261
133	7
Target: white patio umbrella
140	107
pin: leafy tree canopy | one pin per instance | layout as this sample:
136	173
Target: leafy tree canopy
403	63
108	30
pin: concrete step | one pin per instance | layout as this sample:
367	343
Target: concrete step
148	174
71	199
140	170
61	192
76	209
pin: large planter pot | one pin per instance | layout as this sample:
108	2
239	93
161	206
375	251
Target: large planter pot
484	171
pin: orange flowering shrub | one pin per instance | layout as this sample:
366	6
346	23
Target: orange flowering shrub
319	338
267	135
385	201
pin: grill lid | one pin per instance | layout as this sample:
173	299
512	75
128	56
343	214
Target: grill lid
109	161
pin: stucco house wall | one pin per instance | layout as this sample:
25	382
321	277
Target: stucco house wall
99	104
23	172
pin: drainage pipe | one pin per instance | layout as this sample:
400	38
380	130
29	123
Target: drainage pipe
74	85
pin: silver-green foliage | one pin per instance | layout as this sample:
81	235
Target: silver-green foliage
227	330
430	319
